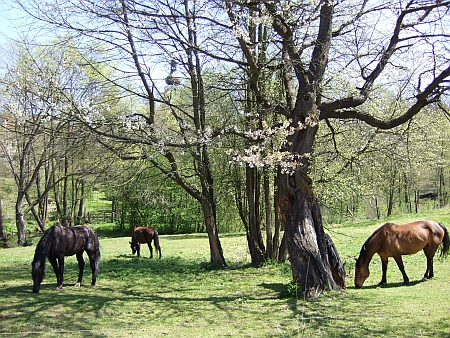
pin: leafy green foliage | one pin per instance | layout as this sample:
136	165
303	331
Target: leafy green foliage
362	173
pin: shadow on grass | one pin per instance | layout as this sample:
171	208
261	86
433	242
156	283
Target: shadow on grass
279	288
172	284
388	285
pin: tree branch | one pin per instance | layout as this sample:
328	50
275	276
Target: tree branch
431	94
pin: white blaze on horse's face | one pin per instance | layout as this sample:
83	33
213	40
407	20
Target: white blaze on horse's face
361	274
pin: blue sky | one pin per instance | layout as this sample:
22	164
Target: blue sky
10	20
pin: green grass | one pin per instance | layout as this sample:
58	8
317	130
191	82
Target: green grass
181	296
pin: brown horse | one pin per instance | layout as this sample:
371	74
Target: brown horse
395	240
142	234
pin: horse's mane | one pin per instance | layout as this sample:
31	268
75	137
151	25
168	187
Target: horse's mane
44	245
363	252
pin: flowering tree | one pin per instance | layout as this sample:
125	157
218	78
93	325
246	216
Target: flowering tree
164	121
42	147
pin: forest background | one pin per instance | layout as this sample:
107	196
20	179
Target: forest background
181	114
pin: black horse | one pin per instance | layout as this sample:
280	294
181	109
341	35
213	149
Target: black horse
59	241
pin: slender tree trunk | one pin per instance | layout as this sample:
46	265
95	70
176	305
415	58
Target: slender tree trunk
279	249
283	250
268	213
254	235
41	214
215	248
377	208
36	215
390	201
80	217
20	221
64	216
441	191
2	229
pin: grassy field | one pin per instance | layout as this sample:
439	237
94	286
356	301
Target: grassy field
180	296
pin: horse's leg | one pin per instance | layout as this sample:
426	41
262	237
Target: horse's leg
151	249
384	264
429	273
138	249
80	269
94	267
61	272
399	261
54	264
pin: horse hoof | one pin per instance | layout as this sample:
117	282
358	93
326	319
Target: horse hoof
77	285
424	279
59	287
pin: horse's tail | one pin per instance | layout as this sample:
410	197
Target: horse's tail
445	241
93	244
156	242
97	254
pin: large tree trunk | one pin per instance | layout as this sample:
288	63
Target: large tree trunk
308	252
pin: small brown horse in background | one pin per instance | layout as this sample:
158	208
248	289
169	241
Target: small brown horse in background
143	234
395	240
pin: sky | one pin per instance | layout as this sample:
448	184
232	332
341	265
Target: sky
10	21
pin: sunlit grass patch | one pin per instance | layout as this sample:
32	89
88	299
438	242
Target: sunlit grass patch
183	295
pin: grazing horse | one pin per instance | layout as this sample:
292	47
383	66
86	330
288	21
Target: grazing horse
59	241
395	240
142	234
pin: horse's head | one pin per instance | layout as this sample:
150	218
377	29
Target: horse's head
38	272
361	273
133	245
